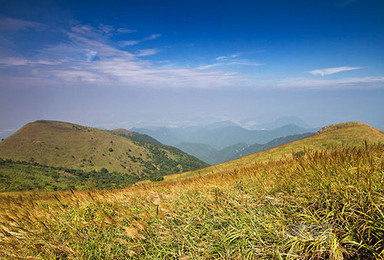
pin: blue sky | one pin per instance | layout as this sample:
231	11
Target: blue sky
132	63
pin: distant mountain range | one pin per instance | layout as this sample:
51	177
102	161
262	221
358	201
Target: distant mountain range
223	141
220	135
212	156
279	122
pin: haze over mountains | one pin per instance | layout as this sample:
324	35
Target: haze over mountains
212	156
224	141
331	138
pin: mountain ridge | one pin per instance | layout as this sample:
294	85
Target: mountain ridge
213	156
220	137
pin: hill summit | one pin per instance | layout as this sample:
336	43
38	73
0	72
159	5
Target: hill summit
62	144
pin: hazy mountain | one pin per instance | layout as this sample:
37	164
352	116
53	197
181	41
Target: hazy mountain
210	155
282	121
204	152
163	134
219	135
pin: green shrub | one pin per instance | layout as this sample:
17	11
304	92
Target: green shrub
104	170
299	154
157	178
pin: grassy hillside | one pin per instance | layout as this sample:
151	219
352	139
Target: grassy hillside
61	144
324	205
352	134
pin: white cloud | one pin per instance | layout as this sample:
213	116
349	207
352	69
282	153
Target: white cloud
344	83
87	57
83	30
230	60
106	28
76	75
147	52
330	71
90	55
152	37
128	43
229	63
74	62
220	58
13	61
102	33
16	61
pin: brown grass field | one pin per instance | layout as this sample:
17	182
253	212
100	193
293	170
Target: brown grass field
326	204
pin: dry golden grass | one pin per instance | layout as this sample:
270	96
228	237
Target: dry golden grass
327	204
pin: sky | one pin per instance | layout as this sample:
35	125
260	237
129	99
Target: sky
112	64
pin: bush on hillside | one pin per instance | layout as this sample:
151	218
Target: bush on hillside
157	178
299	154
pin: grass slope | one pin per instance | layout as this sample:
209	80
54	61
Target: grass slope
324	205
61	144
349	134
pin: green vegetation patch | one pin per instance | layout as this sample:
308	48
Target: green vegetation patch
18	176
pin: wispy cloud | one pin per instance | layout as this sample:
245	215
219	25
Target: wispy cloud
7	23
129	43
344	83
147	52
88	57
238	54
16	61
330	71
106	28
125	30
229	63
220	58
152	37
12	61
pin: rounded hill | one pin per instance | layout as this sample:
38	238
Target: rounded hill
55	143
